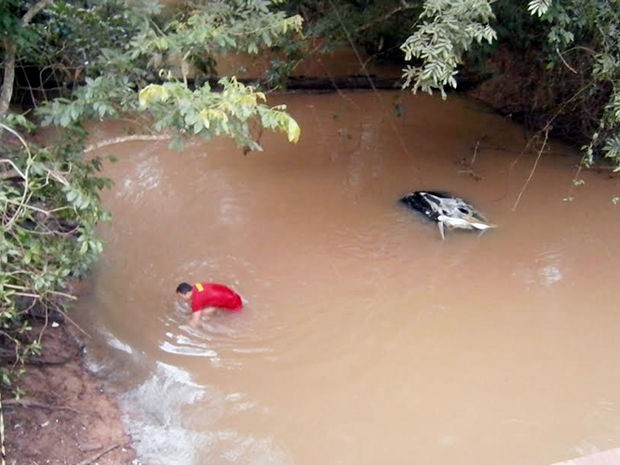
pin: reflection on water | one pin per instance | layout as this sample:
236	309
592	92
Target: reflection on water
365	338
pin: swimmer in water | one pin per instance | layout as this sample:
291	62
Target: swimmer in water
206	298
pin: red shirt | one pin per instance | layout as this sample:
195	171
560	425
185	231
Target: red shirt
215	295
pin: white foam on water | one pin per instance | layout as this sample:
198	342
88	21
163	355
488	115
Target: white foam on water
166	417
118	344
155	419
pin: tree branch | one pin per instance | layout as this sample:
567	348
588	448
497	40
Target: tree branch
34	9
387	15
27	403
529	178
121	139
98	455
9	76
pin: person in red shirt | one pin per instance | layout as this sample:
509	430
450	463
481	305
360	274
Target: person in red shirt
206	298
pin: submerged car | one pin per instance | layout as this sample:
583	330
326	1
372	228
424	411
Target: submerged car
446	210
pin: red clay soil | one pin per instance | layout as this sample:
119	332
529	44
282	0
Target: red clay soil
66	417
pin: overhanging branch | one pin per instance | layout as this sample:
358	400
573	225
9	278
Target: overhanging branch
121	139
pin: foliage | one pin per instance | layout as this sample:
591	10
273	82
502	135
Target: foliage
49	206
447	31
168	50
593	27
70	37
586	32
88	59
538	7
378	26
227	113
582	39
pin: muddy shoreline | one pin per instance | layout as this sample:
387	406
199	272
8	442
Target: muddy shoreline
67	415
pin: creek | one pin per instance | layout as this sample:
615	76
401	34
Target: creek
365	338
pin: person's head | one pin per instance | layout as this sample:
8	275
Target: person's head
184	291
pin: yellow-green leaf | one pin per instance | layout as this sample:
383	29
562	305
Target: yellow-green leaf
247	99
212	114
293	130
153	93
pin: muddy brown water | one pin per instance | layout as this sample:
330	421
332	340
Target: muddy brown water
365	339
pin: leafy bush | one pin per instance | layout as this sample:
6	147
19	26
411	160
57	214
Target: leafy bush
49	206
447	31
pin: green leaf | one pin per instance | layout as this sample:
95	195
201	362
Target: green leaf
293	130
538	7
153	93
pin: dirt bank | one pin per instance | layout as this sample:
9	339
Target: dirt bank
65	417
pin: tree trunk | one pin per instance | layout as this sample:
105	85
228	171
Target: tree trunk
9	77
10	51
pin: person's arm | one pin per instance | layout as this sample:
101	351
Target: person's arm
195	319
209	311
